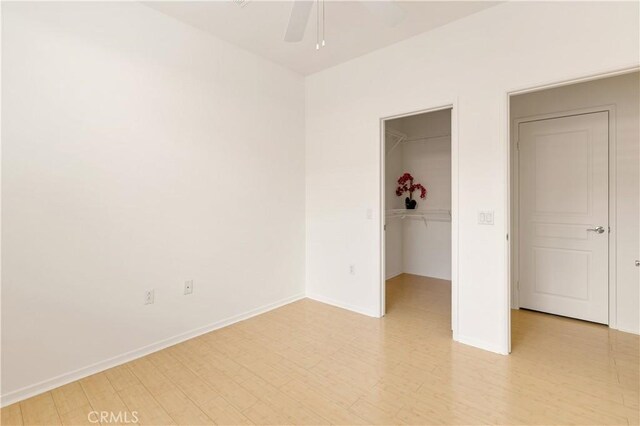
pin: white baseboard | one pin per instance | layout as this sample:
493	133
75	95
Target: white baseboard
627	330
480	344
63	379
338	304
393	276
444	278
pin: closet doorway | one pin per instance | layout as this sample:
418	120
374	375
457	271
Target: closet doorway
574	208
417	225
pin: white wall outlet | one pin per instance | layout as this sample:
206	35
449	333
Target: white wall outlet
352	269
188	287
369	213
485	217
148	297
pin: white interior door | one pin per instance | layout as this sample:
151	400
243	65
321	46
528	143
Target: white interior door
564	216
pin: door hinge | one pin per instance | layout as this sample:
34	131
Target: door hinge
507	237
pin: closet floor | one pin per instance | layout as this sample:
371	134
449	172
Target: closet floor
311	363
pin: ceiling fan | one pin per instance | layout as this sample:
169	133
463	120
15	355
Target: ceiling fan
386	10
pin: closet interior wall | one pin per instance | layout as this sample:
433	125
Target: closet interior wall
413	246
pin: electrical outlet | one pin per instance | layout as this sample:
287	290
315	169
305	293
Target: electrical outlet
148	297
352	269
188	287
369	214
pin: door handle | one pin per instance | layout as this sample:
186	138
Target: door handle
598	229
637	262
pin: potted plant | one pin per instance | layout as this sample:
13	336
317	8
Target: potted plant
405	184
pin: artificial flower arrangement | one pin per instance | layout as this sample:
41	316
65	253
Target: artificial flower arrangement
405	184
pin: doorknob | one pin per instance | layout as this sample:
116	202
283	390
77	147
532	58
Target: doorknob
637	262
598	229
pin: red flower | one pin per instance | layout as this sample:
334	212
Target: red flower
411	187
423	190
404	178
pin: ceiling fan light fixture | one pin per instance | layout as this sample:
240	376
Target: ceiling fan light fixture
323	43
300	11
388	11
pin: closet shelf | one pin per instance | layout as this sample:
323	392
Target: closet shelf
428	215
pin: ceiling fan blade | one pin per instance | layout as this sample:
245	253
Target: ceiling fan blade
387	10
300	12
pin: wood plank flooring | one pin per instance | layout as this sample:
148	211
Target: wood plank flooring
310	363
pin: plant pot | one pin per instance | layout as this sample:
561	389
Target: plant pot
410	204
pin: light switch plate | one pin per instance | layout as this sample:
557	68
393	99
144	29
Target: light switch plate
485	217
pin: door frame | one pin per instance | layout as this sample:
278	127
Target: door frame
506	111
611	192
447	105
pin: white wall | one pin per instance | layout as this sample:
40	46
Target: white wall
138	153
473	63
623	93
426	250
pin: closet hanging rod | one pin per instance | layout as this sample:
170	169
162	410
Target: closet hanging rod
425	138
403	139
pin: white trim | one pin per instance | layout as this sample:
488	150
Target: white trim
627	330
342	305
507	142
455	222
610	109
453	107
382	208
506	319
573	80
395	275
613	218
481	344
63	379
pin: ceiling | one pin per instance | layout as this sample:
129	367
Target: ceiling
351	30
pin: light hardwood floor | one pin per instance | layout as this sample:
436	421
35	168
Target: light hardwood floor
310	363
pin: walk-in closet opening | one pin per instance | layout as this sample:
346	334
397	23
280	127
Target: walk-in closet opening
417	225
